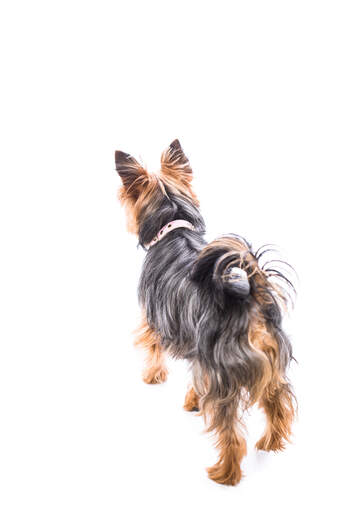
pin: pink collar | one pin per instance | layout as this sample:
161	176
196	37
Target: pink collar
174	224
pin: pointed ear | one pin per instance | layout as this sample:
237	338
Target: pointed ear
175	163
128	168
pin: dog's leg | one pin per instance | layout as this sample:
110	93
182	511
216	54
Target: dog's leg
224	421
191	400
277	404
155	371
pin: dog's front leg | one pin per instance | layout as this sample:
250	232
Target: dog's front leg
155	370
191	400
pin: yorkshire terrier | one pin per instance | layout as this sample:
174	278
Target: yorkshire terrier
212	304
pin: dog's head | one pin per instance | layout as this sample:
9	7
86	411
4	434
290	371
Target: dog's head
151	200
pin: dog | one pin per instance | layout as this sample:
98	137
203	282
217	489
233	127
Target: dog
212	304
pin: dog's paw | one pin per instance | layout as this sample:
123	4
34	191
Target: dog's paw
155	377
191	401
225	475
191	408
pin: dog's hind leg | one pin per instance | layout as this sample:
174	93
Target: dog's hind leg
277	403
223	419
155	370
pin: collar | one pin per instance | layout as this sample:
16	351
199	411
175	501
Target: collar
167	228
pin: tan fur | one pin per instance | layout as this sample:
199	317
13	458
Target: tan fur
262	341
227	426
155	371
277	403
232	449
275	398
191	400
223	418
145	186
176	173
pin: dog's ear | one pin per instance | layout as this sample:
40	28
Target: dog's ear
175	164
130	171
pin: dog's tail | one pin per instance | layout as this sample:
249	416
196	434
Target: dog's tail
224	267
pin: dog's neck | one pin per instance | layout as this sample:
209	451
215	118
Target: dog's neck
170	209
167	228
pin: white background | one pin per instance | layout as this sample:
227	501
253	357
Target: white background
252	90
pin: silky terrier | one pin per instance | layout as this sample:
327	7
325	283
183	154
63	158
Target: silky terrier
212	304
